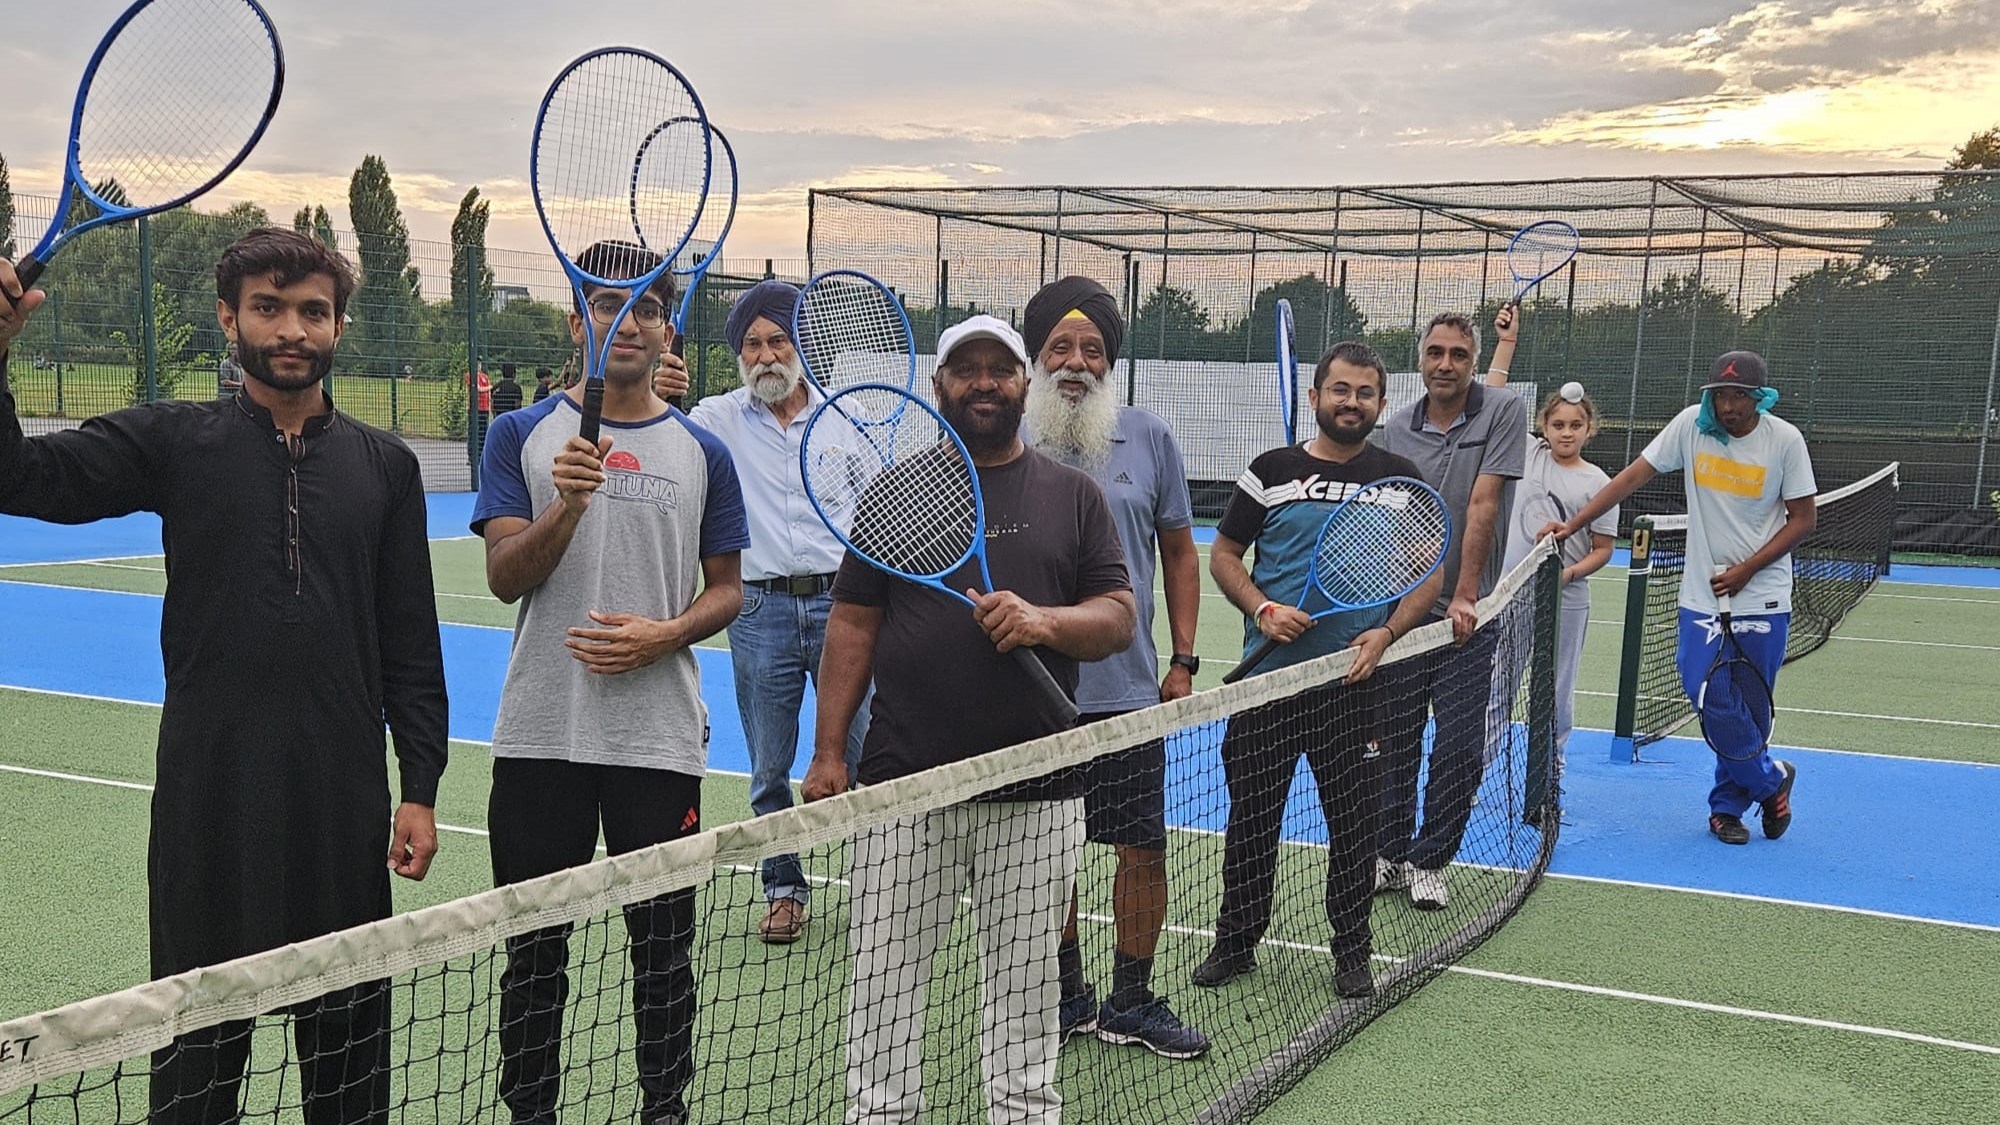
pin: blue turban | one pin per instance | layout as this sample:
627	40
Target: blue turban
772	300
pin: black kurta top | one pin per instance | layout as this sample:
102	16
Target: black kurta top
299	617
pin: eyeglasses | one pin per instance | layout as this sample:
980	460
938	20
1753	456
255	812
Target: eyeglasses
1341	392
647	314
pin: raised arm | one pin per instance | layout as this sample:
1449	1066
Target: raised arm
1506	335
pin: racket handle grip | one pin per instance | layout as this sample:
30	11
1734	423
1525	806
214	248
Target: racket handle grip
28	270
1251	661
1721	600
679	349
593	410
1056	703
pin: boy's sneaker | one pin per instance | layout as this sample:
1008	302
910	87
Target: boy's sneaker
1078	1014
1390	876
1728	829
1221	967
1776	809
1427	889
1154	1026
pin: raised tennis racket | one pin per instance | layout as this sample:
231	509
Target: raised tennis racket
849	329
1539	250
1377	546
599	183
718	213
893	481
174	98
1735	699
1288	372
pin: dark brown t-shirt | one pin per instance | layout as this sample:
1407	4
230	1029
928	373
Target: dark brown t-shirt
943	693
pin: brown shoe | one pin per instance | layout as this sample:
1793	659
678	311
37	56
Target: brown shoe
786	922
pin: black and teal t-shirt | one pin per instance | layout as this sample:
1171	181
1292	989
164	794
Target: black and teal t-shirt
1278	506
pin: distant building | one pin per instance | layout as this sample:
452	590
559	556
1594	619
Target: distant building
504	295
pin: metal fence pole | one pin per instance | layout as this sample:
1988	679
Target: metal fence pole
1694	310
1569	318
1979	499
55	345
1813	371
474	420
1250	316
1639	331
149	358
1416	286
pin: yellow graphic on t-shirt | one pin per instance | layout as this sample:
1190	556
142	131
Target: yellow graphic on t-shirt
1723	475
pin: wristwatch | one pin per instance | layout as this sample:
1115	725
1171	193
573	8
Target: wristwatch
1184	660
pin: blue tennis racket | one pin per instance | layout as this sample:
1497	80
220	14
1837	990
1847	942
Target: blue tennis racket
718	214
1539	250
893	481
849	329
601	177
1288	372
1376	547
1734	702
176	95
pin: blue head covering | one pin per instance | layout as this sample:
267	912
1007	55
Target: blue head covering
770	299
1708	423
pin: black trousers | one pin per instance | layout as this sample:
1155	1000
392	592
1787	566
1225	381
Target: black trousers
1260	753
342	1040
544	817
1454	684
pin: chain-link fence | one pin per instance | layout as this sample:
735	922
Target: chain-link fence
405	359
1876	298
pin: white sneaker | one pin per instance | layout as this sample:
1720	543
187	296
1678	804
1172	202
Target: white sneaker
1390	876
1427	889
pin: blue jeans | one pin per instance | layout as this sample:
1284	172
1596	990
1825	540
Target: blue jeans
774	645
1738	785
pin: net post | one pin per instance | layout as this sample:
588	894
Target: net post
149	354
1543	790
1623	748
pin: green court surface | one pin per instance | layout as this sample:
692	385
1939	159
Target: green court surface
1599	1002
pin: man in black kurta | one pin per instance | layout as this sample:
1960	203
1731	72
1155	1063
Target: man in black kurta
298	618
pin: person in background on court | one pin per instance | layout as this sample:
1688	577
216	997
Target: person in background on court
507	392
1749	488
1280	503
544	383
776	642
1469	442
624	555
228	374
947	689
1073	331
299	619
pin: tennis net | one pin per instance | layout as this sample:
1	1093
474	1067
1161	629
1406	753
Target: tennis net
1836	566
409	1019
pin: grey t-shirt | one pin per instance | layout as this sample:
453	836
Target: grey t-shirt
1551	493
670	499
1736	493
1488	437
1145	482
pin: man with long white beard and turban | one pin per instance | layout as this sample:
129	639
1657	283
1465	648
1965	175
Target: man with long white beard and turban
775	642
1073	330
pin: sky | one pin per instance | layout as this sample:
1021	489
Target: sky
1119	92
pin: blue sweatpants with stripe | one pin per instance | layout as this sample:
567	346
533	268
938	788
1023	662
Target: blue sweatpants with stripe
1738	785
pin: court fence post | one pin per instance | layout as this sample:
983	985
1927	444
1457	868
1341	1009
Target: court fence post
1985	419
475	421
149	355
1624	747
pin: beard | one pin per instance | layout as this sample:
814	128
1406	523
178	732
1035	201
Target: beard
992	434
1079	431
1344	426
256	363
771	383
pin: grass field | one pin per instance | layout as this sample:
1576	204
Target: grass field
1603	1000
412	407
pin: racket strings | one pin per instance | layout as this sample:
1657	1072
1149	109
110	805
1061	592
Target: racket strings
919	516
167	110
1541	249
718	211
591	180
1372	549
851	331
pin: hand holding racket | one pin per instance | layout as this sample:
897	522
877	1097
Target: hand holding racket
1377	546
1537	251
621	149
1288	372
165	120
1735	699
893	481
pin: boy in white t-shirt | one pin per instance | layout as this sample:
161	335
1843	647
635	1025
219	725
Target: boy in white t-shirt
1750	501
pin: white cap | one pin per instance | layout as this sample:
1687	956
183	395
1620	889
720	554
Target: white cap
982	327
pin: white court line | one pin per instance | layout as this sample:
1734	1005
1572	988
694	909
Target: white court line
1827	749
1615	624
1848	715
1879	593
1770	901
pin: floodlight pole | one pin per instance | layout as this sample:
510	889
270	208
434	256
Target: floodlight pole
1986	415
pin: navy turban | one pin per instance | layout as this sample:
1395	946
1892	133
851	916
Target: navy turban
1058	299
772	300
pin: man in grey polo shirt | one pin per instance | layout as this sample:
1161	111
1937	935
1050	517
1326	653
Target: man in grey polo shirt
1073	330
1469	441
775	643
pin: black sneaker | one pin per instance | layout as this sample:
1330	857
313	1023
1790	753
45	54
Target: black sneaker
1776	810
1078	1014
1352	982
1153	1026
1728	829
1221	967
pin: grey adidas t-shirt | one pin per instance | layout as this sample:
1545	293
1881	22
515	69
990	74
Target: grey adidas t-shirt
670	500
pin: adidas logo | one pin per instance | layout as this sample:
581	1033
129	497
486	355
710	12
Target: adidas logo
1122	478
690	820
